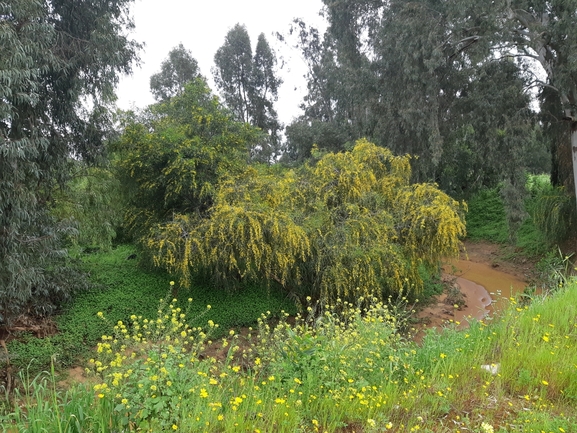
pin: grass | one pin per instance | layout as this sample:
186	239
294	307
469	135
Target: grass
324	373
549	215
486	218
487	221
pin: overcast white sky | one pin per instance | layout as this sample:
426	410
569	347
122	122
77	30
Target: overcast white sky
201	27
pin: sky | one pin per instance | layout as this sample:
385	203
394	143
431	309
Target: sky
201	27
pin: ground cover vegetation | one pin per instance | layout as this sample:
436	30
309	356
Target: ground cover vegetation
340	368
120	288
411	108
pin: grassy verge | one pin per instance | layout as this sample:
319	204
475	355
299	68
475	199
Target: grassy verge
339	372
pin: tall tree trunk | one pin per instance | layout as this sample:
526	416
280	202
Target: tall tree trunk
574	152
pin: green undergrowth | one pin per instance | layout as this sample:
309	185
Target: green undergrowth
337	368
122	288
487	220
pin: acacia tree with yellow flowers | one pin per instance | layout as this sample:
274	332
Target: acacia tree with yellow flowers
349	225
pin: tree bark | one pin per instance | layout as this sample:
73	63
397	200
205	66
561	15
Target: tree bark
574	152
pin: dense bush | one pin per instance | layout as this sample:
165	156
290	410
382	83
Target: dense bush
171	157
350	225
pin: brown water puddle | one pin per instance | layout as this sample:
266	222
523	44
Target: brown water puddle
500	286
484	290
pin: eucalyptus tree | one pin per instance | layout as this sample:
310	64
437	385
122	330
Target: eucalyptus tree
544	31
264	93
233	72
433	79
54	56
398	72
249	86
176	71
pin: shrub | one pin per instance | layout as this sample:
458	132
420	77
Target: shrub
147	366
352	225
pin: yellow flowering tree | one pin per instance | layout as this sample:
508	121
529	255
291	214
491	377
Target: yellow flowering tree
349	225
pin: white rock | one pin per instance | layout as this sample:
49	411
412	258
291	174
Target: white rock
491	368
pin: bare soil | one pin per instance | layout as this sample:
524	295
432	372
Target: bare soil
503	257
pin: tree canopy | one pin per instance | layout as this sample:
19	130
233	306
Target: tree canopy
176	71
408	76
53	55
249	86
172	159
450	83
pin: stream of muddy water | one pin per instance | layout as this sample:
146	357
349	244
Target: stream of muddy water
484	288
500	286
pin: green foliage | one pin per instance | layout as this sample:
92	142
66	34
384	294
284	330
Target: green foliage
555	270
544	330
249	86
413	81
556	20
336	367
53	57
233	71
148	385
486	217
122	288
118	288
302	136
28	236
554	212
125	285
171	163
352	225
179	69
92	200
432	284
487	220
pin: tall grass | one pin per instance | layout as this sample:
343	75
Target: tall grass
486	218
554	213
341	368
551	217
